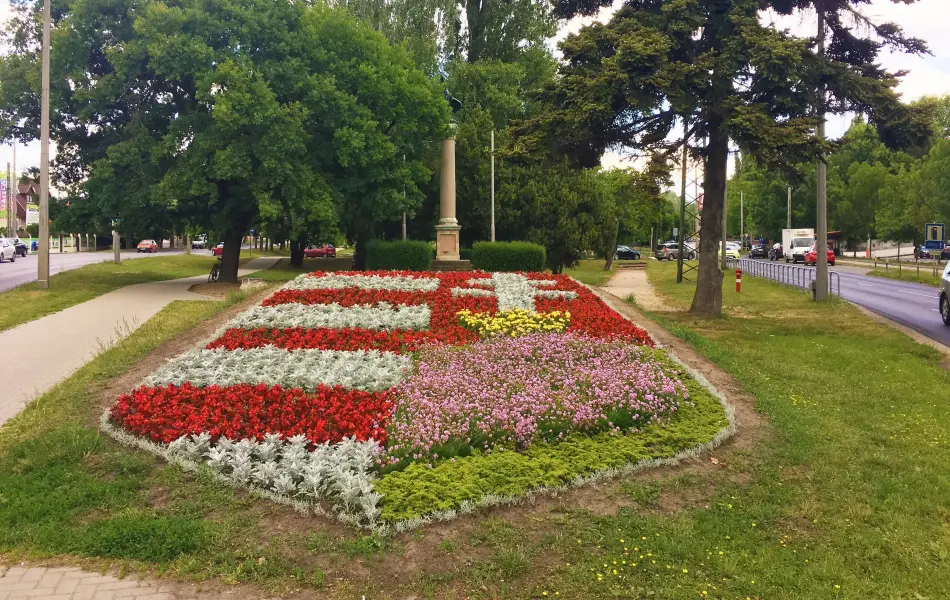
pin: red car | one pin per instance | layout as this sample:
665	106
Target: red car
320	251
218	250
147	246
811	257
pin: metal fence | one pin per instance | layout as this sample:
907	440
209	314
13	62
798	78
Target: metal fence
793	275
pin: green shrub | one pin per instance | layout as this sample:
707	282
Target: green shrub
508	256
466	253
410	255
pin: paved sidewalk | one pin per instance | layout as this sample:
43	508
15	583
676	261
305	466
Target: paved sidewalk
68	339
71	583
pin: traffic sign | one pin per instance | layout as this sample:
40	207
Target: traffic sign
933	236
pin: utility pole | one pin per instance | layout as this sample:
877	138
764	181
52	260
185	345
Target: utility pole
404	227
682	227
493	185
42	269
11	214
741	217
725	221
788	224
821	268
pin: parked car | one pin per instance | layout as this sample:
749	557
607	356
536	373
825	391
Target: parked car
627	253
671	250
758	251
20	247
199	243
922	252
149	246
320	251
945	253
7	250
811	257
218	250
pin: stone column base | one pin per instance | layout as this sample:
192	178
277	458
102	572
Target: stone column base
447	242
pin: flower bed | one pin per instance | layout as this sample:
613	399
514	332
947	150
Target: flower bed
395	397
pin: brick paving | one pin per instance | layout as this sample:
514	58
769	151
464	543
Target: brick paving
71	583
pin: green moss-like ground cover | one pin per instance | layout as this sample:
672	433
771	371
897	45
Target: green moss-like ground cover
420	490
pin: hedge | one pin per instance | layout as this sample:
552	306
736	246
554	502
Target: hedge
508	256
465	253
407	255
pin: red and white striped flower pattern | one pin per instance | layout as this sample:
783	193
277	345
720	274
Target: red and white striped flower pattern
293	399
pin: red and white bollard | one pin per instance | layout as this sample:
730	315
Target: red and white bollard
738	279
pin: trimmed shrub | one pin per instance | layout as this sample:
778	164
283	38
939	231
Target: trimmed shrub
465	253
508	256
410	255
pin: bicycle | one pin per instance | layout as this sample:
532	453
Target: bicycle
215	271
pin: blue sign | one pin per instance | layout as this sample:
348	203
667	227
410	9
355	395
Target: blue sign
934	245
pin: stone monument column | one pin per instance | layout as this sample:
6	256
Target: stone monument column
447	231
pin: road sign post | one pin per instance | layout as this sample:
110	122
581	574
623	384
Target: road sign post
934	236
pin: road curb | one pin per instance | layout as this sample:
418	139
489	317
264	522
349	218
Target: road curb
913	333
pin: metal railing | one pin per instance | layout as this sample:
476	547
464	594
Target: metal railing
793	275
932	266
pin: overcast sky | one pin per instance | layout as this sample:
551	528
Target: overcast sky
929	75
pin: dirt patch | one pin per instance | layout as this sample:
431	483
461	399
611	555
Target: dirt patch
218	289
634	283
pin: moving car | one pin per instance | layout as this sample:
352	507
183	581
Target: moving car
811	257
320	251
7	250
732	250
922	252
671	250
218	250
944	297
776	252
20	247
758	251
199	243
149	246
796	243
627	253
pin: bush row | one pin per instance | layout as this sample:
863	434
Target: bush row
399	255
508	256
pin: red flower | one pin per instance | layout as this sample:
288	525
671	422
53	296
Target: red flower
166	413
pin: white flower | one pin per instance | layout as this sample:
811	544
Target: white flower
334	316
333	281
369	370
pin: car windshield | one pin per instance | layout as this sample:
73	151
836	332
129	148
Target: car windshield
802	242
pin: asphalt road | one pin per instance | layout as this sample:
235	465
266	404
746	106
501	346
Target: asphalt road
24	269
910	304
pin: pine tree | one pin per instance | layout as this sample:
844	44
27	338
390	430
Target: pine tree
717	67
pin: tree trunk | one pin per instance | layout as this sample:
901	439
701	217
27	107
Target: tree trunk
611	248
296	253
708	298
230	257
359	254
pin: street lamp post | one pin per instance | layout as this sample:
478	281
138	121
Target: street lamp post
42	274
821	262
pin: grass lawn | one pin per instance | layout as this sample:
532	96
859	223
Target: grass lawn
29	302
909	273
592	272
848	496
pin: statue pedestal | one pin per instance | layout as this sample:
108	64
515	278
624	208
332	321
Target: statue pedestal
447	241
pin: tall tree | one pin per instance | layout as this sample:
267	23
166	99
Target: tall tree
219	109
715	65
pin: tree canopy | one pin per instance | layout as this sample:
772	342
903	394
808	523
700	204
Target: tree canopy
716	67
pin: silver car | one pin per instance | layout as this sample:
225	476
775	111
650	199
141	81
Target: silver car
945	295
7	250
